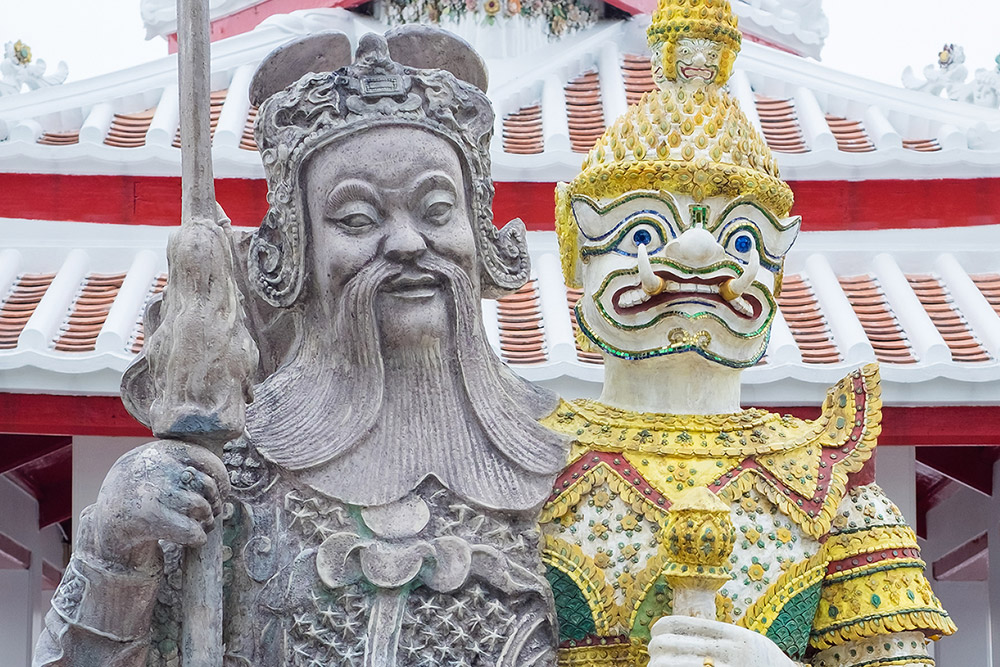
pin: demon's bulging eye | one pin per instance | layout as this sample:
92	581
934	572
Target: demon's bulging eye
640	233
642	237
743	243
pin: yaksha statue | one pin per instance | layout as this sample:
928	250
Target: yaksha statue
385	491
676	231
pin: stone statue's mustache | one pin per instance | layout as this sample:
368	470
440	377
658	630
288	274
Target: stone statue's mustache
491	420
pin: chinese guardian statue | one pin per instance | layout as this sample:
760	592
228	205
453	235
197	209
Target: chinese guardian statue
380	506
753	537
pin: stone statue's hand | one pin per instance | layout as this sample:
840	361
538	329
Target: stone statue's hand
166	490
682	641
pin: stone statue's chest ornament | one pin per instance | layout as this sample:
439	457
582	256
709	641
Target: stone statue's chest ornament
755	538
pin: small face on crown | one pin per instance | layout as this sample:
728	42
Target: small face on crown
697	59
663	274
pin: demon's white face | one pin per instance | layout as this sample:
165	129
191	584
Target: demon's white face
663	274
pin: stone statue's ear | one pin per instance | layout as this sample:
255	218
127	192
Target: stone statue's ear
322	52
427	47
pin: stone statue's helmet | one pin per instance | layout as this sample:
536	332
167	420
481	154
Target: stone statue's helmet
310	95
685	175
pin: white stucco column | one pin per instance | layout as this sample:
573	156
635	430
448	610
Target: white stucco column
22	601
993	541
896	473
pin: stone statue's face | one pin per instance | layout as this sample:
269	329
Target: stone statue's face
397	195
709	276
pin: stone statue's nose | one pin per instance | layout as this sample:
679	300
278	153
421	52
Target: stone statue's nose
404	243
695	247
698	60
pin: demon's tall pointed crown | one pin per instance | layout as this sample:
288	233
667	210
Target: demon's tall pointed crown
688	135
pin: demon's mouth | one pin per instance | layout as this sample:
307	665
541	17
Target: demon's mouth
633	299
692	72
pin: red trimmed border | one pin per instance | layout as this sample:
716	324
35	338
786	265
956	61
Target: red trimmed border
872	558
45	414
823	205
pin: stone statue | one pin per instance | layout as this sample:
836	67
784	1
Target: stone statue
676	231
386	487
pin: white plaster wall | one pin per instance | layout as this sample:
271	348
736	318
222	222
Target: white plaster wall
968	604
22	602
960	518
895	472
16	615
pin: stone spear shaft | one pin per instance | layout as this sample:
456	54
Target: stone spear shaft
202	357
201	627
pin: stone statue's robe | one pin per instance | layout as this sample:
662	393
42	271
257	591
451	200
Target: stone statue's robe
279	612
821	556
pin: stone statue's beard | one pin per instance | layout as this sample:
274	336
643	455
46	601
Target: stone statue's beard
451	411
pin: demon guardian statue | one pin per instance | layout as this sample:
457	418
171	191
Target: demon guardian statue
676	231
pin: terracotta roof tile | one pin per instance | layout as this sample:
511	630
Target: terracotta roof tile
806	321
247	141
60	138
88	312
585	111
638	77
218	99
922	145
850	135
129	130
522	334
16	309
989	285
522	131
780	124
572	296
937	301
880	324
138	334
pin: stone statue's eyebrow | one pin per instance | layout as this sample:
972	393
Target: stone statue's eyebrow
350	190
432	180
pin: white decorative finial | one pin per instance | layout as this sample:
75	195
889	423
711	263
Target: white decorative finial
949	76
18	70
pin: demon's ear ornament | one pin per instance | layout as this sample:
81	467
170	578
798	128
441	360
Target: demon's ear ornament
424	47
323	52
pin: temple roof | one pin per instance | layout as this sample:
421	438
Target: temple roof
552	103
925	303
798	26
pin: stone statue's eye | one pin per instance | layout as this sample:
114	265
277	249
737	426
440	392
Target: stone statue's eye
438	207
743	243
356	221
353	209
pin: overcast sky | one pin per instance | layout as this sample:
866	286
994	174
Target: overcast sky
872	38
